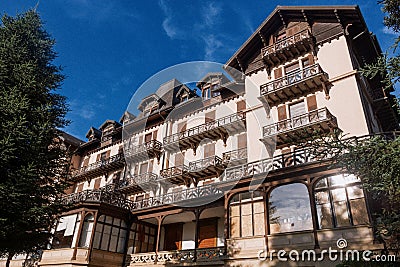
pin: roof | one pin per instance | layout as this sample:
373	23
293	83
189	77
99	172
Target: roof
282	14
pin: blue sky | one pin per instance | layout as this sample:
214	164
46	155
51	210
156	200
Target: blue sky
109	48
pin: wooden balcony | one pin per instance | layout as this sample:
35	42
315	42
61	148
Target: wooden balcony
140	182
214	130
287	48
295	84
145	151
100	167
206	168
176	175
295	158
299	128
235	157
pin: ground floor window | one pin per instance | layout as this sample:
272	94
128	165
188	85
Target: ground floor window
110	234
142	238
289	209
246	213
65	231
87	229
340	201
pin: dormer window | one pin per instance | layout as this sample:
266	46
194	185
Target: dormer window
150	108
184	97
206	92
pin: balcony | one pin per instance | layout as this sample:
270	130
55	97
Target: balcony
300	128
207	256
235	157
206	168
151	149
139	183
295	158
176	175
100	167
295	84
214	130
287	48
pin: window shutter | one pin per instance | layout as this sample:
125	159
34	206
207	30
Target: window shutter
140	139
155	135
86	161
242	141
210	116
150	169
289	32
98	157
312	102
271	39
147	137
143	167
80	187
310	59
108	154
207	234
241	105
282	113
179	159
209	150
97	183
278	73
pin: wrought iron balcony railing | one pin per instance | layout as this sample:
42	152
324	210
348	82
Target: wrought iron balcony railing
113	161
233	156
321	118
295	158
202	164
138	182
222	126
180	256
286	43
311	77
149	149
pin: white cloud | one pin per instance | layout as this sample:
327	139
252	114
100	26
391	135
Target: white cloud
171	30
389	31
210	14
212	44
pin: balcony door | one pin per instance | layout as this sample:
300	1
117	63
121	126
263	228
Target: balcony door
208	233
173	236
297	112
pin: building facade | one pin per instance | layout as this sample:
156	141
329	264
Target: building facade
222	179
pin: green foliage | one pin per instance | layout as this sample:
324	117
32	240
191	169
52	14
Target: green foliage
376	161
32	161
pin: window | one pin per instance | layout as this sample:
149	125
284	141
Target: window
87	229
142	238
246	215
208	229
184	97
65	230
289	209
173	236
110	234
206	93
340	201
209	150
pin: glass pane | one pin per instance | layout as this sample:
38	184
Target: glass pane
321	183
235	211
290	209
337	180
97	236
247	225
106	237
338	194
341	212
258	207
351	178
324	216
235	226
355	192
259	224
117	222
235	198
246	209
322	197
109	219
101	218
359	211
114	239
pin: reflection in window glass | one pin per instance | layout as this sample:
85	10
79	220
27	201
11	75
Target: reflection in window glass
87	229
289	209
340	201
110	234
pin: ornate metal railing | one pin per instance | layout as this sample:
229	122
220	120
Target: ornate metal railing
180	256
202	164
175	197
237	117
139	179
291	78
151	145
99	164
234	155
286	42
295	158
173	171
302	120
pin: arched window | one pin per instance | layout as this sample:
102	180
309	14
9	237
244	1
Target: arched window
246	215
86	231
340	201
289	209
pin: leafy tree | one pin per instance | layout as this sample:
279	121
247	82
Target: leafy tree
32	161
